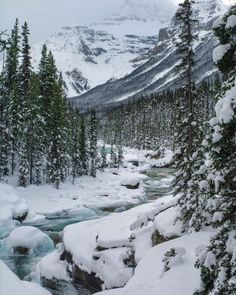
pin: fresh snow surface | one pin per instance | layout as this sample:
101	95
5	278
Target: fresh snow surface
51	266
182	278
86	195
10	284
231	21
83	198
219	52
225	106
31	238
11	206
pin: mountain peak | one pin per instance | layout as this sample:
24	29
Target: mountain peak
208	9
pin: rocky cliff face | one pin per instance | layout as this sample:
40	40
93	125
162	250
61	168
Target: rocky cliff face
158	72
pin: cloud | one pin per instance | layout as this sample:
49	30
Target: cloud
48	16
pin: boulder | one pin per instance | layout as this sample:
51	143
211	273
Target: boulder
130	183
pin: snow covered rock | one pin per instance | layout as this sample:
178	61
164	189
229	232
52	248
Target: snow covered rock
10	284
130	183
52	266
28	240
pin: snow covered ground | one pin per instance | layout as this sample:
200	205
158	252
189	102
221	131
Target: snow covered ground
87	195
182	278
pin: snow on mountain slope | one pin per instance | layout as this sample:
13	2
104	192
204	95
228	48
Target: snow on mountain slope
89	57
92	55
158	72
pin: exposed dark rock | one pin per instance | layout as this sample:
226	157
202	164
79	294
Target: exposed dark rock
130	186
21	218
108	209
67	256
163	34
157	238
135	163
89	281
21	250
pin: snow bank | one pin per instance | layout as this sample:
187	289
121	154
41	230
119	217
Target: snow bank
231	21
51	267
225	106
10	284
30	238
219	52
10	207
88	194
182	277
218	22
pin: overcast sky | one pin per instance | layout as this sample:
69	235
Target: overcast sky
47	16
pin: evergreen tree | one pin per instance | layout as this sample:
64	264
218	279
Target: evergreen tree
57	158
187	127
75	152
104	158
83	153
12	110
93	143
34	131
120	155
8	93
25	67
218	265
23	164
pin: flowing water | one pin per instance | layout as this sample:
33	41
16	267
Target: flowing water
157	186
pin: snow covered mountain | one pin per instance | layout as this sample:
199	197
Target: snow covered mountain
158	72
92	55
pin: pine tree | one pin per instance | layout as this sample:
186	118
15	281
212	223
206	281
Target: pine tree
83	149
34	131
25	67
113	158
75	136
57	158
218	276
187	126
12	110
9	90
93	143
120	155
23	164
104	158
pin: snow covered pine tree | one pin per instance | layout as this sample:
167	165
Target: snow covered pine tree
186	133
218	263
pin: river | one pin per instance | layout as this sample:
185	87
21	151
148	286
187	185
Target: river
23	265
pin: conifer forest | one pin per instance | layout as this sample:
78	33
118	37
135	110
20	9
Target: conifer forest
118	149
